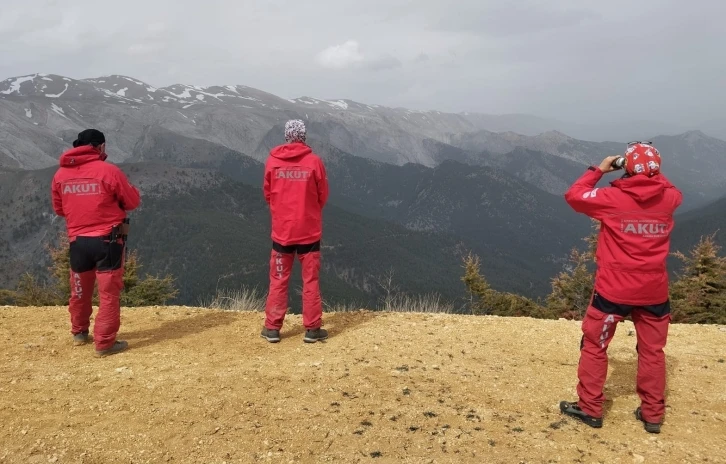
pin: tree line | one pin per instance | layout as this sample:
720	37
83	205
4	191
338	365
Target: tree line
697	294
32	291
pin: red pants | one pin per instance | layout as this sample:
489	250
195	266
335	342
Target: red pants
598	329
281	262
93	259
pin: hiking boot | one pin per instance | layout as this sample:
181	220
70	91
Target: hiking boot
573	410
315	335
650	427
117	347
80	339
271	335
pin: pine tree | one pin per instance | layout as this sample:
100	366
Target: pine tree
60	268
485	300
147	292
137	292
30	292
8	297
572	288
699	294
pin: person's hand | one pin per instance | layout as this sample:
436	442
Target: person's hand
607	164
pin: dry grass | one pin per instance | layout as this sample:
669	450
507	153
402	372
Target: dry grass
200	386
246	299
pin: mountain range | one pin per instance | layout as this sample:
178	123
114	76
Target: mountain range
411	191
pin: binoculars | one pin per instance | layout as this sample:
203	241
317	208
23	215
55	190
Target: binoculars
618	163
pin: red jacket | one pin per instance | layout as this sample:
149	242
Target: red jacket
636	220
91	194
296	188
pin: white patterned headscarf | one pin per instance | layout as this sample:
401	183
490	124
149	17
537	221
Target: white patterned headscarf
295	131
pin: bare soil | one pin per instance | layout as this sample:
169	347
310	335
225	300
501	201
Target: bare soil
202	386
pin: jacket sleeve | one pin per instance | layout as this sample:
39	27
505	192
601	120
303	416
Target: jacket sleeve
128	195
678	200
57	198
585	198
323	189
266	187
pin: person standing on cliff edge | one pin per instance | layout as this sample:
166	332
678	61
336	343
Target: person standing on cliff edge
636	221
296	189
94	196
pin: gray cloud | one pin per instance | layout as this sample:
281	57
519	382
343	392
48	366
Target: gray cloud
581	60
384	62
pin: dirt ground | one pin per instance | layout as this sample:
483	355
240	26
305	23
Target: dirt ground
201	386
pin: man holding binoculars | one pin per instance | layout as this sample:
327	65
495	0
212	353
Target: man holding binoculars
93	197
636	220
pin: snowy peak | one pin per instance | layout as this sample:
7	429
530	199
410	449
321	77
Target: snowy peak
334	104
45	85
126	87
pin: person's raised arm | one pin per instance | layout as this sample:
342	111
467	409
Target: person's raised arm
128	196
585	198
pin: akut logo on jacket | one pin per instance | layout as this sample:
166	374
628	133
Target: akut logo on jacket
82	187
645	228
294	174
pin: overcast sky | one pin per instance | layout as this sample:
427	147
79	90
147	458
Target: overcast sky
570	59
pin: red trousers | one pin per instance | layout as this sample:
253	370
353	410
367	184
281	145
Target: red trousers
598	329
94	259
281	262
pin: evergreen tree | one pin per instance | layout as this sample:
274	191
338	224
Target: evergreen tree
485	300
137	292
147	292
698	296
30	292
60	268
572	288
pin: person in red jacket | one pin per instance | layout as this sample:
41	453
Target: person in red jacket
296	189
93	197
636	220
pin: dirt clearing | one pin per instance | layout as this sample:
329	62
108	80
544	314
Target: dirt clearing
202	386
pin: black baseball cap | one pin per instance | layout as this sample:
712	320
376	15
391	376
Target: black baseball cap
89	137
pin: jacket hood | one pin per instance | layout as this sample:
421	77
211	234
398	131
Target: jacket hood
290	151
81	155
643	188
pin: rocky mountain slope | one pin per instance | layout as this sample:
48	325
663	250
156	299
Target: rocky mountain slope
440	178
40	114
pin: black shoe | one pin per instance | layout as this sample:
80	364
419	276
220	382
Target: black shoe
117	347
650	427
272	336
573	410
80	339
315	335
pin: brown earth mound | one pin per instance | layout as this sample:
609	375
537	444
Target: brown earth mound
202	386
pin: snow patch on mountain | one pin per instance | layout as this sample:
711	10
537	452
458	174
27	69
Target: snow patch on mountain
58	110
339	104
28	113
57	95
15	85
184	95
122	92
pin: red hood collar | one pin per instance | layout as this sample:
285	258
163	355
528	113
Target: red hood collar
81	155
290	151
643	188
